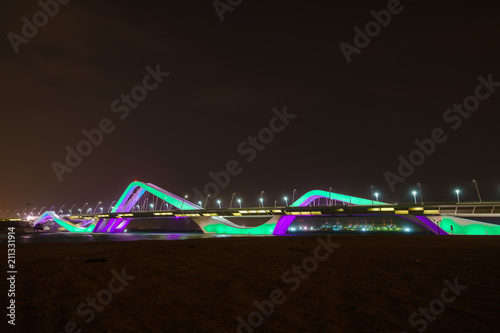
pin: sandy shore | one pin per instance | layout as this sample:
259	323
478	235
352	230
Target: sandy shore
367	284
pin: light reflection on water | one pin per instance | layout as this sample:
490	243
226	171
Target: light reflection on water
67	237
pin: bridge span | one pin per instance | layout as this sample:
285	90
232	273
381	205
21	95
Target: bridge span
439	218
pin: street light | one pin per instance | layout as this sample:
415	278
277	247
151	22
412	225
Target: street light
200	203
457	191
420	191
218	201
477	189
261	202
372	193
286	201
111	206
415	196
95	209
231	203
293	196
151	207
182	204
71	209
60	209
206	200
83	208
239	201
376	196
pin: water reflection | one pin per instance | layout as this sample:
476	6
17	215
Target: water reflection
67	237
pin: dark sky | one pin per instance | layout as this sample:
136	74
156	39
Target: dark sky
353	120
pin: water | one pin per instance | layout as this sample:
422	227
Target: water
67	237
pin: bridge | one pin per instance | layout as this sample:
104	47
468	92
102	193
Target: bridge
439	218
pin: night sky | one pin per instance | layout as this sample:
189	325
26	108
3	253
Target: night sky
225	78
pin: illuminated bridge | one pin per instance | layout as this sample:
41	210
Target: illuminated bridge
465	219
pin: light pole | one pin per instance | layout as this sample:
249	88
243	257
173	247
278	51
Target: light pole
231	203
239	202
376	196
372	194
60	209
40	212
182	204
218	201
15	210
101	209
477	189
457	191
206	200
261	200
293	196
330	197
200	204
71	209
286	201
95	209
151	207
83	209
51	208
420	191
111	206
80	211
415	196
275	203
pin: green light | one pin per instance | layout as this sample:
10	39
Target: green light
468	227
219	228
311	195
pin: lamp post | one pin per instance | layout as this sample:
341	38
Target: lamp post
182	204
151	207
376	196
40	212
261	203
420	191
371	187
200	203
95	209
261	200
477	189
330	197
415	196
206	200
231	203
286	201
457	191
83	208
218	201
71	209
293	196
239	202
111	206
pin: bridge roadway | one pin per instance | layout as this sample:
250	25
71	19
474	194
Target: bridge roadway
431	209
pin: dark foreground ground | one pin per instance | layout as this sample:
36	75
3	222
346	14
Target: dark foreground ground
368	284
